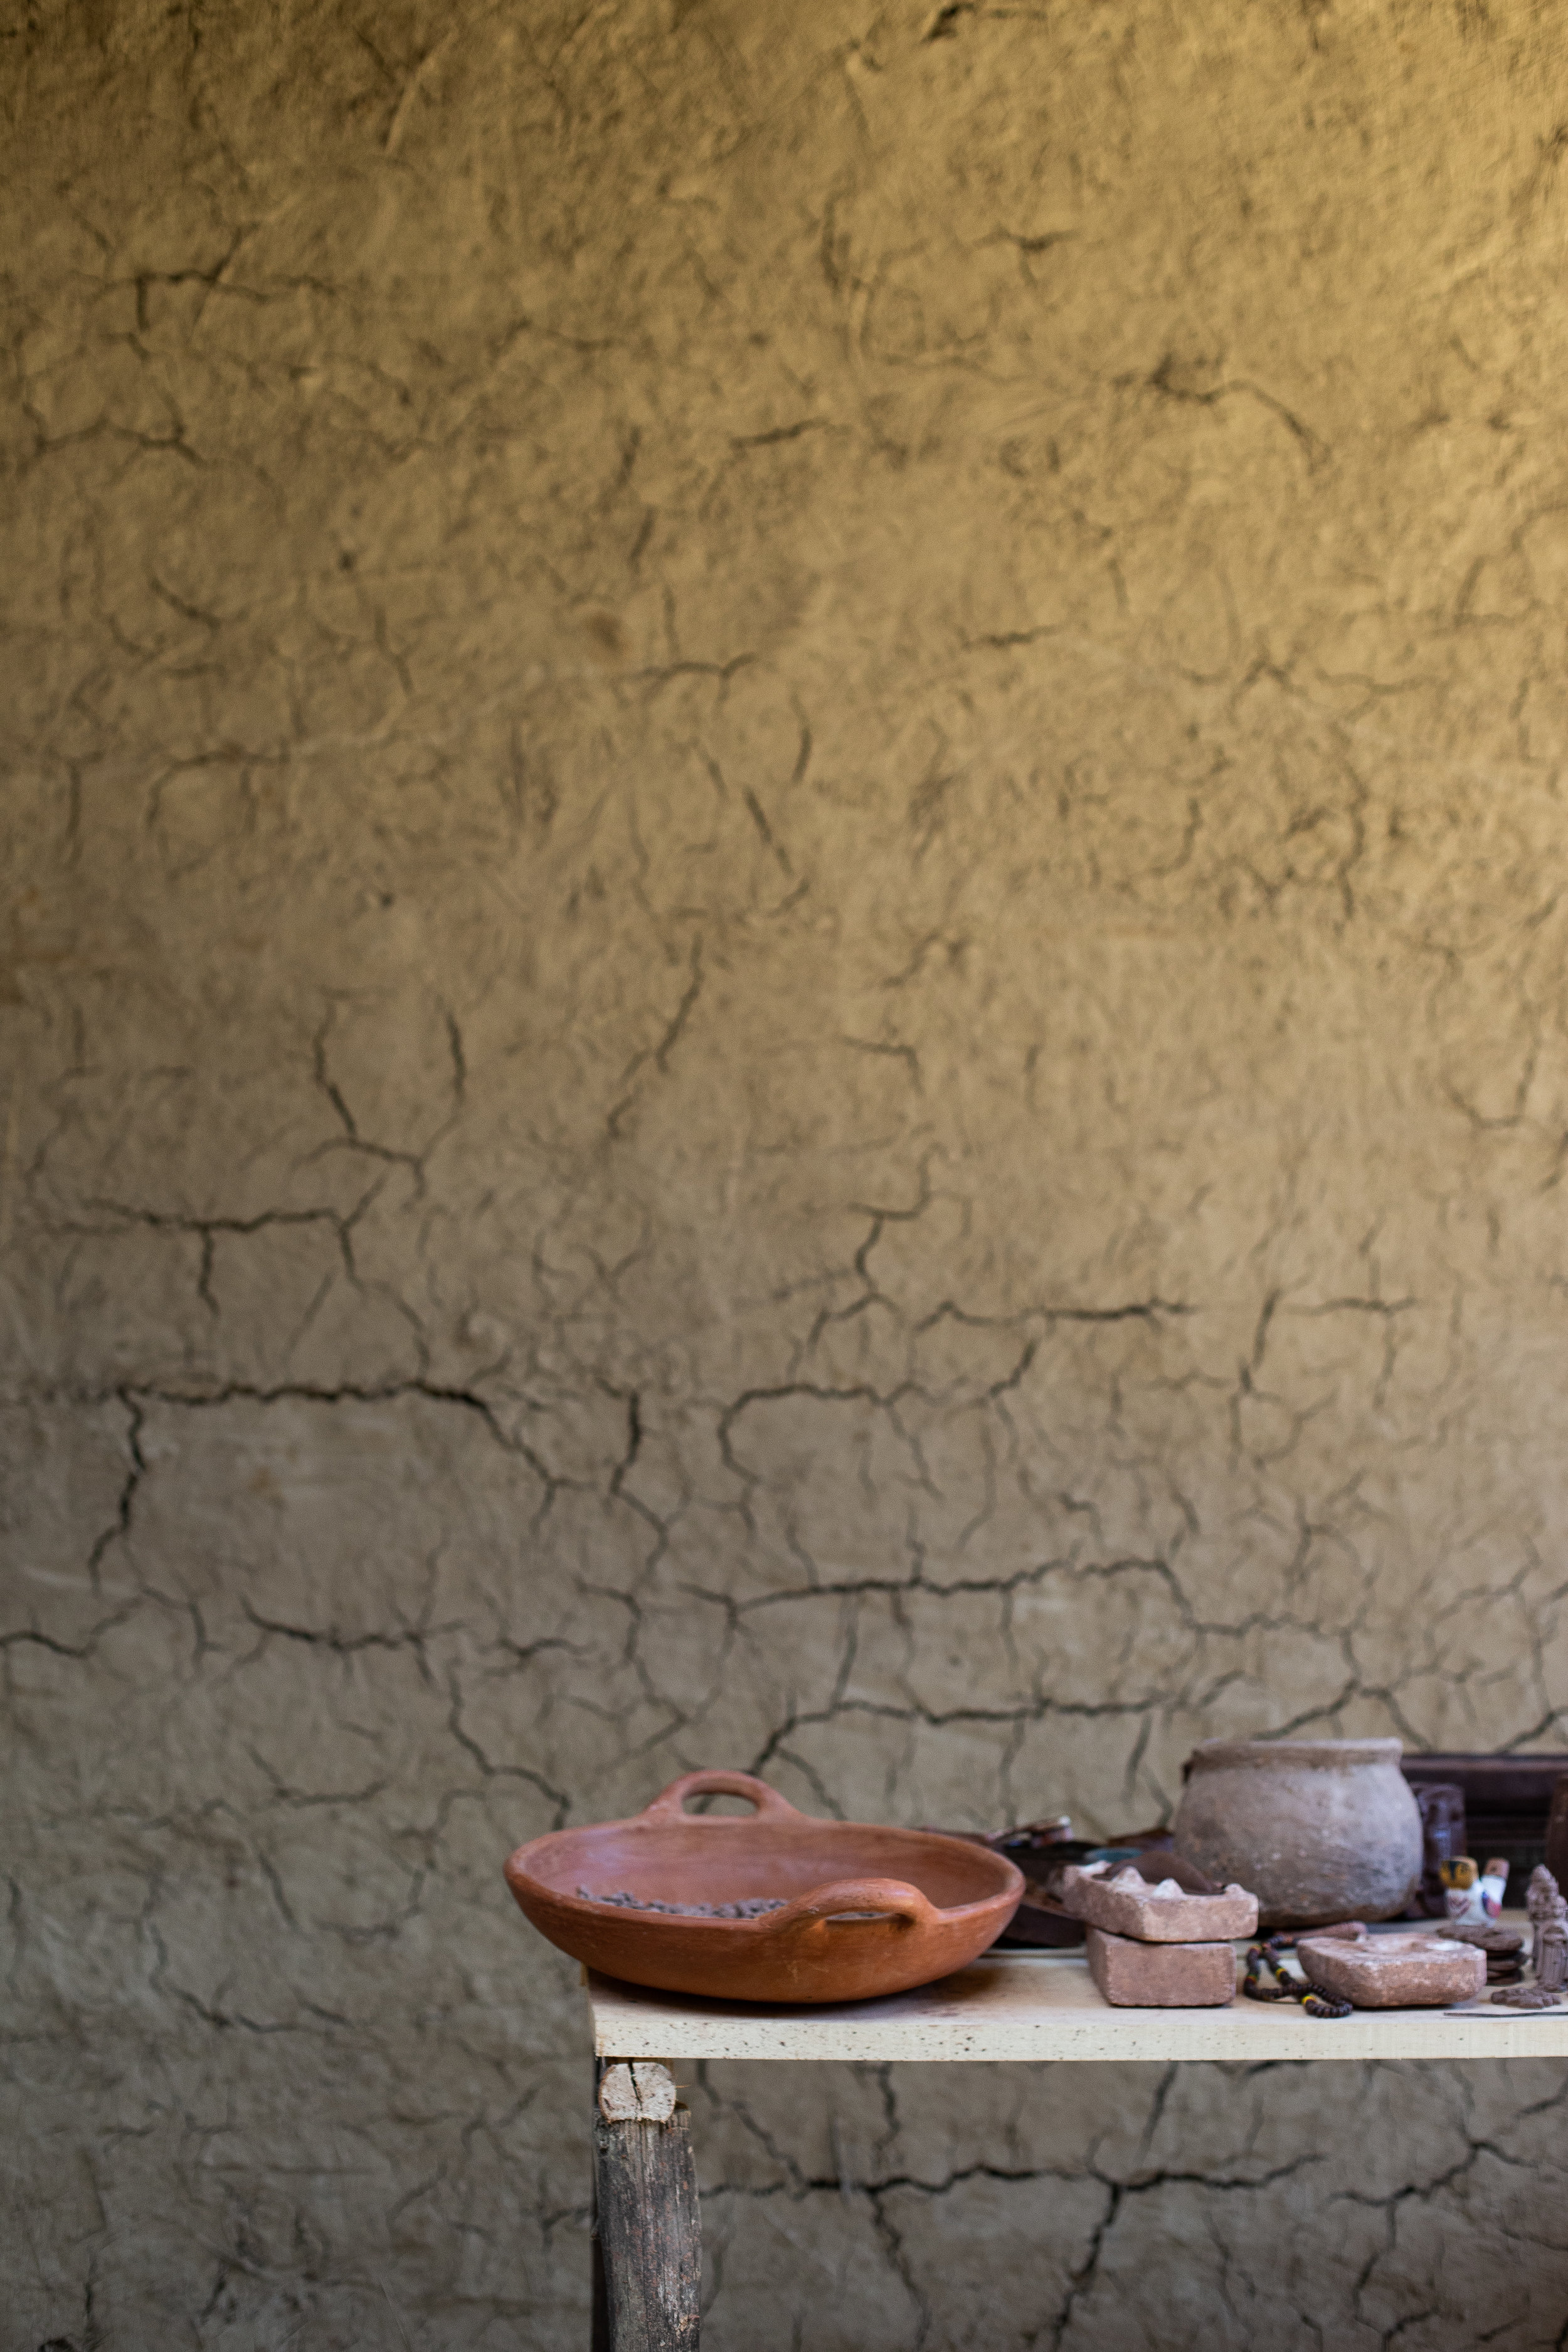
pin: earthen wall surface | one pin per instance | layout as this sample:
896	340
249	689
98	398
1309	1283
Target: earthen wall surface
782	982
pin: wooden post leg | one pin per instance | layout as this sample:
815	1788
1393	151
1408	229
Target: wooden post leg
647	2230
600	2339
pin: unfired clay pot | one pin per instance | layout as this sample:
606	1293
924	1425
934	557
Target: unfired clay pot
1318	1829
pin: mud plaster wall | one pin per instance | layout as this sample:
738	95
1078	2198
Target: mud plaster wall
783	983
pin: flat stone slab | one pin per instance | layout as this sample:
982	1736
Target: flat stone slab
1127	1905
1393	1972
1135	1975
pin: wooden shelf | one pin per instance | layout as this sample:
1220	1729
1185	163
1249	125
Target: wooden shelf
1044	2006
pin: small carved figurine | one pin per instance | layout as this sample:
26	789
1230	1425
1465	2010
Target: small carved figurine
1551	1966
1441	1805
1538	1895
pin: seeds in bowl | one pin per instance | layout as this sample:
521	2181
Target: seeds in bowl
750	1906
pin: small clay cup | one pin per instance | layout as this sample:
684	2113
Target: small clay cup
1319	1830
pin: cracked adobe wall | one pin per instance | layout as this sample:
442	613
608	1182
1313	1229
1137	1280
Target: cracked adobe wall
782	984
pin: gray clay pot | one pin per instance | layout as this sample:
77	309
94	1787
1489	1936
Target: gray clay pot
1318	1829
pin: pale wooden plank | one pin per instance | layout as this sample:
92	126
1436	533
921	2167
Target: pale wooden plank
1013	2007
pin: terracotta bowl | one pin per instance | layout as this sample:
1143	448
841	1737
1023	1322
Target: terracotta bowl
866	1911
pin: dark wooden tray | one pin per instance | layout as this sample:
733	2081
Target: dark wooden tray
1041	1849
1507	1808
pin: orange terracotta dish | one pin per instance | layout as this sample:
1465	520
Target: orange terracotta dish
854	1911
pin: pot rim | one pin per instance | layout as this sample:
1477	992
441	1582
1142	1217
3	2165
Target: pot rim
1324	1755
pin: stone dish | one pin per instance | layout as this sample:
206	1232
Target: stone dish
1320	1829
866	1911
1126	1904
1393	1972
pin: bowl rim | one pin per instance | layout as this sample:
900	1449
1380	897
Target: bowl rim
521	1880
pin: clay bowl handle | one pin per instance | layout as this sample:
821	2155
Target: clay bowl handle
670	1803
896	1905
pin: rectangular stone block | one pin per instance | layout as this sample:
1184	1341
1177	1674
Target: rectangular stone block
1133	1975
1128	1905
1420	1971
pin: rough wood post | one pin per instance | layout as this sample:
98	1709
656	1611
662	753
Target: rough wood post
599	2339
647	2229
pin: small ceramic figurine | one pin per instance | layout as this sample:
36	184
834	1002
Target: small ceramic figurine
1551	1968
1462	1886
1493	1887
